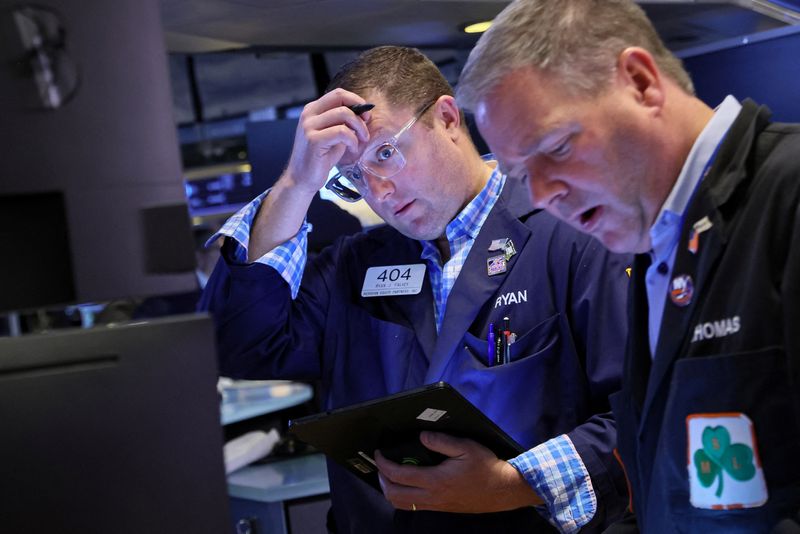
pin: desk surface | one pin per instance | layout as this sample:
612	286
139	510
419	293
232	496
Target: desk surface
250	398
282	480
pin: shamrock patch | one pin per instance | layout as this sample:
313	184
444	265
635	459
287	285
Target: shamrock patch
719	456
724	470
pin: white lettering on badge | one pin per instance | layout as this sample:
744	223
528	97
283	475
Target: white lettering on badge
392	280
512	297
715	329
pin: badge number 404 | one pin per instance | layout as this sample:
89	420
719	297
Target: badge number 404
395	274
393	280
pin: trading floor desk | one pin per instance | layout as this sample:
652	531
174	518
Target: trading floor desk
259	493
243	399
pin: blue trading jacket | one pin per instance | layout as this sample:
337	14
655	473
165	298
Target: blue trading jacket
568	310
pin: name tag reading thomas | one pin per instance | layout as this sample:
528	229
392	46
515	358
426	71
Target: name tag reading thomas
392	280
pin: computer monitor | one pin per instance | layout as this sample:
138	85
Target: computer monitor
113	429
269	145
90	149
219	189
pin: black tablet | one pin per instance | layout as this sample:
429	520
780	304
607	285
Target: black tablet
392	425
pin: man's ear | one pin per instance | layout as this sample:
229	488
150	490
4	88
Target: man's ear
638	74
446	111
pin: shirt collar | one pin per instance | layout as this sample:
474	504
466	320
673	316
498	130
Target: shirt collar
662	233
469	221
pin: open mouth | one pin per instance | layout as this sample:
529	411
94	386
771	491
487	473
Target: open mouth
588	219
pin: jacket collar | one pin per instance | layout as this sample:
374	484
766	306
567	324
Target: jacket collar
474	287
728	173
735	154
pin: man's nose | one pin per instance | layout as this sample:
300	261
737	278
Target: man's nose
544	190
379	189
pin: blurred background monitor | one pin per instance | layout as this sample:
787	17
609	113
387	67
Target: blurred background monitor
223	189
113	429
269	145
219	189
92	201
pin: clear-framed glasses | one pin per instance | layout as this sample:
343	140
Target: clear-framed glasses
382	160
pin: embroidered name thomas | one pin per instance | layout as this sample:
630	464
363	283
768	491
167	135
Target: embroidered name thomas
714	329
511	298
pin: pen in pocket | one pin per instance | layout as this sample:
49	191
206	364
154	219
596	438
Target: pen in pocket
506	334
490	345
498	343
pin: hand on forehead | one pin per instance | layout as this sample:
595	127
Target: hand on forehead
337	109
380	124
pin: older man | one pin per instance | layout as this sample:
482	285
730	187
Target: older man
582	100
479	254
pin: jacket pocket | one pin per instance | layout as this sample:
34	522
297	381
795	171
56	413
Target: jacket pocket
532	398
749	390
537	341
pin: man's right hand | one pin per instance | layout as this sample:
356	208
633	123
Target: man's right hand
326	131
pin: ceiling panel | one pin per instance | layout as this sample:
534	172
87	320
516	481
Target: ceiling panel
326	24
243	72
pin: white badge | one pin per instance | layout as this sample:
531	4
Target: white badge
724	468
431	414
393	280
702	225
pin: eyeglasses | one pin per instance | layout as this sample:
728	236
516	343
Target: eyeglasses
382	160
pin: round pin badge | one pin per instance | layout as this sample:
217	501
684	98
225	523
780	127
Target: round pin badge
681	290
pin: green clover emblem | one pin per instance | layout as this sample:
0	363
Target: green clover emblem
718	456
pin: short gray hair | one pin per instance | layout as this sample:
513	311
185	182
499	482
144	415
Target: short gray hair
577	41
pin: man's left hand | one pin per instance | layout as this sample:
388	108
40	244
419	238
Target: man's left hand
471	480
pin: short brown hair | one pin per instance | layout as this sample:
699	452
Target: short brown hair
404	76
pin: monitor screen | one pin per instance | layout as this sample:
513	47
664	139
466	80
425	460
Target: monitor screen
113	429
269	145
219	189
87	124
224	188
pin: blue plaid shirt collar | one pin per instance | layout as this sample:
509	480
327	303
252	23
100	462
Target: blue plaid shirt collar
461	233
469	221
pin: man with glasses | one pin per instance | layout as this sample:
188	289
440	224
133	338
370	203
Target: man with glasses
382	160
467	252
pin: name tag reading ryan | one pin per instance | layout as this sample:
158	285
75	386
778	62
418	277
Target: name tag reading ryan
391	280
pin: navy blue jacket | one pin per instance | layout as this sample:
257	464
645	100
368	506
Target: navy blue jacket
733	349
567	310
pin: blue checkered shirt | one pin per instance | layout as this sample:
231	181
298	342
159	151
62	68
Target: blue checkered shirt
554	469
556	472
288	258
461	234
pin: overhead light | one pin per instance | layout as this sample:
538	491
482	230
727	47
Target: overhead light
478	27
